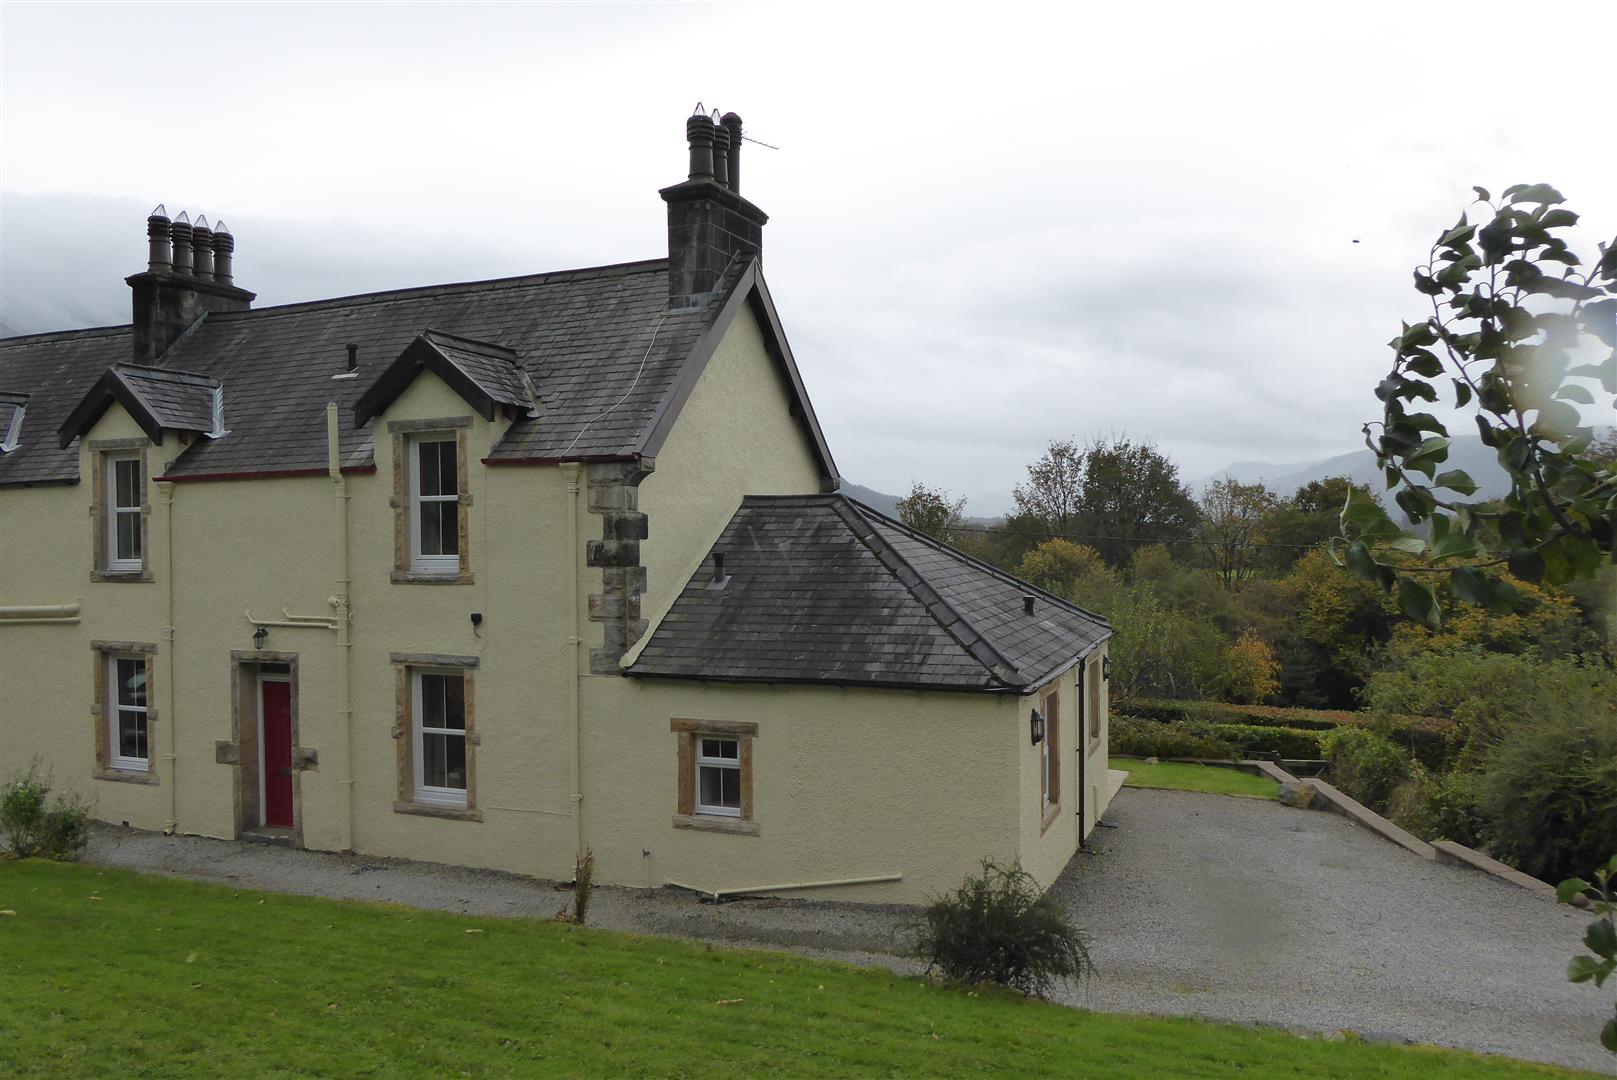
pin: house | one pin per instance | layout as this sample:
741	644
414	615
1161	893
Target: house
491	573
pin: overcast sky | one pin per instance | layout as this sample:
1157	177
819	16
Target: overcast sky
991	225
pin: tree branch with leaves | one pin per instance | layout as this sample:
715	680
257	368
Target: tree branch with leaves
1517	330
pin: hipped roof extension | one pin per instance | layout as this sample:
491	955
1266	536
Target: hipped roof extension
159	399
484	374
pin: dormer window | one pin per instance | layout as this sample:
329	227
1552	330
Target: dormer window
125	484
434	505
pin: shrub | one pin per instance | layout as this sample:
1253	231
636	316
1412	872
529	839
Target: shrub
583	883
1249	669
34	826
1145	738
1366	765
1000	927
1251	739
1440	806
1548	794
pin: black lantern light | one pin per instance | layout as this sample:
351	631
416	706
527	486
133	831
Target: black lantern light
259	635
1038	727
1106	668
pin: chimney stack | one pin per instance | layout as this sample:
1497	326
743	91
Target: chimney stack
712	230
202	249
189	272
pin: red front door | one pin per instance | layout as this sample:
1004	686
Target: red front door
277	757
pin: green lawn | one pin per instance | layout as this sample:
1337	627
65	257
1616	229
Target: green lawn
1186	776
114	974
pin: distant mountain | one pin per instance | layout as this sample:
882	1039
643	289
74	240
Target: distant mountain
876	500
1465	452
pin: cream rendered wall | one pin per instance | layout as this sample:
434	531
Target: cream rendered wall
1045	851
735	436
846	783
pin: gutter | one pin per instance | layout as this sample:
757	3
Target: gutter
267	474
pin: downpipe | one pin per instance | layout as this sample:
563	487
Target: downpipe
575	643
170	739
344	620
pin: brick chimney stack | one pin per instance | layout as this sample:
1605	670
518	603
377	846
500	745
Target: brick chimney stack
711	228
188	273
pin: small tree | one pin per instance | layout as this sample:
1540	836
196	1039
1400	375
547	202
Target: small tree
1071	570
932	511
34	825
1249	670
1511	317
1053	490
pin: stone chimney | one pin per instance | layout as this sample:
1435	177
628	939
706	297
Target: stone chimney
189	272
711	228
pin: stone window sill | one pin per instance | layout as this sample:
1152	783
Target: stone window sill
419	577
1051	812
124	776
451	813
121	575
711	823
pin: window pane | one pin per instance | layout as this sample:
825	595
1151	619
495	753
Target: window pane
712	786
448	528
131	734
128	530
432	701
720	748
454	701
132	683
443	761
732	788
448	478
126	482
428	452
431	529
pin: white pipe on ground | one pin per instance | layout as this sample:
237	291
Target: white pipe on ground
719	894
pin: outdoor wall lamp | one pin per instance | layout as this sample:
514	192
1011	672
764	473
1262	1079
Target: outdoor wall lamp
1038	727
1106	669
259	635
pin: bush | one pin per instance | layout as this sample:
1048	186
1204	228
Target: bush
1366	765
1250	739
34	826
1548	794
1146	738
1000	927
1440	806
583	885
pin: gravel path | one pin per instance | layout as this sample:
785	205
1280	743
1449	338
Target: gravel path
1242	909
1206	905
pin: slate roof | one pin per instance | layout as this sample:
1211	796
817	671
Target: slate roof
602	347
158	398
823	589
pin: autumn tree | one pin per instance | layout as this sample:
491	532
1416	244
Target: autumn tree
932	511
1513	321
1233	527
1054	488
1131	494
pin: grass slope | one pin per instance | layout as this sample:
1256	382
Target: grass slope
1187	776
106	973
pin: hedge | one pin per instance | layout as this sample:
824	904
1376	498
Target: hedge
1427	738
1135	736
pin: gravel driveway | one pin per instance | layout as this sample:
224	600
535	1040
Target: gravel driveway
1242	909
1207	905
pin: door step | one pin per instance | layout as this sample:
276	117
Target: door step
268	835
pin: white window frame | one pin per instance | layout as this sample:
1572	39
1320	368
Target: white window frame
1044	764
115	511
424	792
419	562
732	764
115	709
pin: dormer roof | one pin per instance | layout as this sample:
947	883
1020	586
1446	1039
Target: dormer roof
486	375
159	399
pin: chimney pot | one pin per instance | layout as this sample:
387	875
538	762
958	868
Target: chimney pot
224	250
159	252
181	232
699	134
732	124
721	155
202	249
1027	603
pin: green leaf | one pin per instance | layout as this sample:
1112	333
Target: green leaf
1360	561
1482	193
1575	392
1456	480
1419	602
1527	564
1454	546
1570	889
1478	587
1608	1036
1408	544
1558	218
1602	939
1533	193
1424	362
1582	969
1462	393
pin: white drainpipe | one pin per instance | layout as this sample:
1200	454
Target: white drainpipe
339	604
170	757
573	657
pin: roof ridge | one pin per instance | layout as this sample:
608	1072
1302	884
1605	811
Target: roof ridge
942	612
509	352
83	331
989	568
514	281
